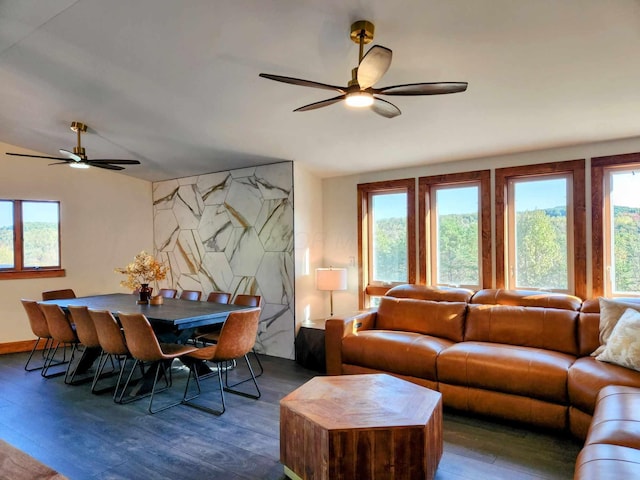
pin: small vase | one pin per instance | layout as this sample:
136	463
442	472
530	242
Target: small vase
144	293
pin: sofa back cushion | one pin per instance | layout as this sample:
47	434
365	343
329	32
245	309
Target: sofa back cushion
437	294
440	319
523	318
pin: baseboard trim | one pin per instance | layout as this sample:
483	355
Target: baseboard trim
17	347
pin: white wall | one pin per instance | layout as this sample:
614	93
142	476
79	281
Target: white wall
340	199
105	217
308	244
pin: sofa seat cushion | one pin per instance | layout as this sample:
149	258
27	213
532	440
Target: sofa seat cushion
607	462
404	353
616	419
523	371
588	375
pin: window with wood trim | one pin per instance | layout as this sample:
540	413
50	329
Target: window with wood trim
29	239
615	183
455	230
540	227
386	237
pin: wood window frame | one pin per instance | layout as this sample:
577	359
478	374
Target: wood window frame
425	186
599	165
365	190
575	168
19	271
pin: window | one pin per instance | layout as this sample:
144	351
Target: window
455	230
386	238
616	226
29	239
539	234
540	227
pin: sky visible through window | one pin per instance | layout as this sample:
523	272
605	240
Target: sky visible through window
625	191
32	211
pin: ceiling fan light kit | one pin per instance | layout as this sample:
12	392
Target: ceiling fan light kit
78	158
359	92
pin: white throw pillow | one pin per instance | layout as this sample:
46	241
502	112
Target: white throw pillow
623	346
610	313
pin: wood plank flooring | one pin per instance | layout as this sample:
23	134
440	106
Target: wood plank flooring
85	436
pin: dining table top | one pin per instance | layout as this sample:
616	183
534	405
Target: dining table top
180	314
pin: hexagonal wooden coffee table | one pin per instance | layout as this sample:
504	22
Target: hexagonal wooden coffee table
361	427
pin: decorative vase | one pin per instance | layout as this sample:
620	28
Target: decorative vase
144	293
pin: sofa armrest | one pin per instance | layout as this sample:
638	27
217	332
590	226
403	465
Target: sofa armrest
336	329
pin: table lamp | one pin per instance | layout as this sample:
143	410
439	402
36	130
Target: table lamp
331	279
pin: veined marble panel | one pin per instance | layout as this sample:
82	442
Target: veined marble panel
276	234
164	194
243	202
215	228
213	187
233	231
274	181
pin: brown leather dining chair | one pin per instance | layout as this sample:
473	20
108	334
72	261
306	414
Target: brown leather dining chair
168	292
219	297
144	347
40	329
193	295
58	294
208	330
250	301
62	333
113	345
86	332
237	338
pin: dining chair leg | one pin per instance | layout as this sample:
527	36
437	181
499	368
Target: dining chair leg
49	362
168	378
187	400
228	388
102	362
253	350
48	343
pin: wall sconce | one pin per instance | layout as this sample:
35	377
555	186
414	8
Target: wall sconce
331	279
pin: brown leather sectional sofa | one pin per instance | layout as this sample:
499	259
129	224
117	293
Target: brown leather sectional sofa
518	355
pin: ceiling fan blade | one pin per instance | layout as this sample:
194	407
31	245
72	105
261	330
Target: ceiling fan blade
64	162
384	108
303	83
437	88
115	161
104	165
323	103
71	155
373	66
35	156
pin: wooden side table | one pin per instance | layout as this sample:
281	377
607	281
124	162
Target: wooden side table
361	427
310	352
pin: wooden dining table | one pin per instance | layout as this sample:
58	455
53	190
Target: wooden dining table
173	321
172	313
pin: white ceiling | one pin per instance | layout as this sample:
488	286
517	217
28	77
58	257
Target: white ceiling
175	83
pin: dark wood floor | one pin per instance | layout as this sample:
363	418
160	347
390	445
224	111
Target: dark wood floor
86	436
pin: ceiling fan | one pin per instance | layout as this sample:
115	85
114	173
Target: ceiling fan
371	67
78	158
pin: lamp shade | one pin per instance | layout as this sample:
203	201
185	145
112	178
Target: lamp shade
331	279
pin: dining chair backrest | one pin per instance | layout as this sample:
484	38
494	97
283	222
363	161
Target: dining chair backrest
109	333
247	300
238	334
140	338
219	297
37	322
193	295
168	292
58	294
85	330
58	323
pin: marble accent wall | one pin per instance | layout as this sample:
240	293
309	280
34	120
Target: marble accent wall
233	232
